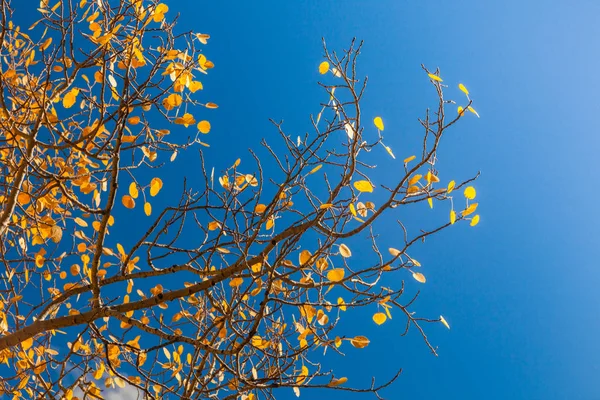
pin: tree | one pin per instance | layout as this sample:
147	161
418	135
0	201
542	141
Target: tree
228	290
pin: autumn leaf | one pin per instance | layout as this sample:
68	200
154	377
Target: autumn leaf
435	78
337	382
204	127
474	220
336	275
323	67
379	318
345	251
155	185
128	201
463	89
419	277
470	192
378	123
363	186
70	98
360	342
443	321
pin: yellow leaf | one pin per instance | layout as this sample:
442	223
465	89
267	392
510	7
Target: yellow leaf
409	159
470	210
379	318
315	169
80	222
70	98
195	86
345	251
155	185
147	209
443	321
133	190
27	343
128	201
470	193
260	208
303	375
430	202
363	186
451	187
452	217
419	277
336	275
378	123
435	78
473	111
186	120
134	120
213	225
304	257
463	89
461	111
352	209
325	206
323	67
360	342
389	150
211	105
235	282
270	223
394	252
204	126
337	382
475	220
341	303
414	179
322	264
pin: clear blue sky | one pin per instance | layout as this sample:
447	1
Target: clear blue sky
521	289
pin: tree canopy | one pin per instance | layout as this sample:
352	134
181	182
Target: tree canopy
235	288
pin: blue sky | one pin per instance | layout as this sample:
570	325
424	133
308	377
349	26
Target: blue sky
520	290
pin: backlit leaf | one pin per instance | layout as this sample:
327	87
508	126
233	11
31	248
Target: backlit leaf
451	187
260	208
394	252
304	257
443	321
345	251
336	275
419	277
155	185
214	225
452	217
323	67
147	209
133	190
70	98
363	186
463	89
475	220
315	169
409	159
379	318
473	111
378	123
337	382
435	78
470	210
302	376
470	192
204	126
360	342
128	201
